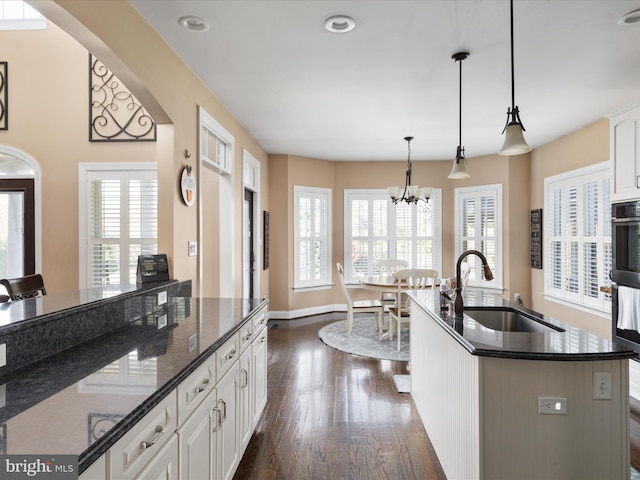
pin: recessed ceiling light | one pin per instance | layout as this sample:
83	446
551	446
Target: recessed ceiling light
630	18
196	24
339	24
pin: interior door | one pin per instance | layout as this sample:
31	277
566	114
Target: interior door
17	228
248	253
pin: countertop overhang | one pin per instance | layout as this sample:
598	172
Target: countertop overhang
572	344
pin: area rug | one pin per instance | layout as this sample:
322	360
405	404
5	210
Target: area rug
364	340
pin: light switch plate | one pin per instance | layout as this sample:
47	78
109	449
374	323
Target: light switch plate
162	321
602	386
162	298
193	249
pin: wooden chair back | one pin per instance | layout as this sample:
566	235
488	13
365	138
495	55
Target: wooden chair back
28	286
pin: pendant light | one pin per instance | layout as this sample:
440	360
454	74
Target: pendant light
410	193
514	142
459	169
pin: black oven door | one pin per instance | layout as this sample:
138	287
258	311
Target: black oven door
623	334
626	251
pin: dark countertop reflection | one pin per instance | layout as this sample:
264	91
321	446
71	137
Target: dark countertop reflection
570	344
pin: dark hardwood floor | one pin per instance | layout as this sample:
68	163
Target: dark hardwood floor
331	415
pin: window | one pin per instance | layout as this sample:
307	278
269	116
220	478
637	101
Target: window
479	227
577	237
17	15
119	221
215	144
376	229
312	237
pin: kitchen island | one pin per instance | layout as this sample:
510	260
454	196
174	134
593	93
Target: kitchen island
127	401
479	392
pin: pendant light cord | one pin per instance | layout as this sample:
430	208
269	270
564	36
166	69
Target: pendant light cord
460	108
513	83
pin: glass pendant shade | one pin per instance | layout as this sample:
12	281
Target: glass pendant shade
514	142
459	170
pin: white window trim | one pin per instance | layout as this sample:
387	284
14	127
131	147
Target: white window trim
299	286
227	205
436	198
37	184
498	277
603	168
83	172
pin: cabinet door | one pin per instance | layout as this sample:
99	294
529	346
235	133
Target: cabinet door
197	441
625	156
228	435
246	397
259	375
165	463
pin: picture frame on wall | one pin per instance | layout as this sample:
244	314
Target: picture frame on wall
265	240
536	238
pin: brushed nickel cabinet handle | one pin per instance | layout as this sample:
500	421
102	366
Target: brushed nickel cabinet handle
247	336
158	433
201	389
231	354
218	419
224	409
245	378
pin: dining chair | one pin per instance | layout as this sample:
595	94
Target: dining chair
367	306
388	267
28	286
413	279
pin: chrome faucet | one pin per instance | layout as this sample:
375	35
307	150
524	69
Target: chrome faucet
458	306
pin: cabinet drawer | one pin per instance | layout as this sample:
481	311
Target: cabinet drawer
193	389
246	335
260	320
140	444
227	355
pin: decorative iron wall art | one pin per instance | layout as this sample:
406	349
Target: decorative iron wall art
115	115
4	98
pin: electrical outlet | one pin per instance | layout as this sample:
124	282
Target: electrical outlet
3	395
162	321
3	355
602	386
193	340
552	406
162	297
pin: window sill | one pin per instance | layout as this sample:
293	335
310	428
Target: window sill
578	306
312	288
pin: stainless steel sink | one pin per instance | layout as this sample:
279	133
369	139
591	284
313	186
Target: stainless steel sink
507	319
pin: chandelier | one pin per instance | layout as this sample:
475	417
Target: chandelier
410	193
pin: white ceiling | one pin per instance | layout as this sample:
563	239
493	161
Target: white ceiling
301	90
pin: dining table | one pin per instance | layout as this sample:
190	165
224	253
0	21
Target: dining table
384	284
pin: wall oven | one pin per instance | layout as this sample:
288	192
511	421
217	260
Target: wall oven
625	225
625	273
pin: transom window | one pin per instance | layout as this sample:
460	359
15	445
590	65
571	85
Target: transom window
577	236
376	229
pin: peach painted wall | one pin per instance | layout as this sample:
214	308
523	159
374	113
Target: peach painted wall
584	147
47	112
513	173
170	90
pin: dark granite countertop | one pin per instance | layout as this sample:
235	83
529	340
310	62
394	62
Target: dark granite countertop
83	399
570	344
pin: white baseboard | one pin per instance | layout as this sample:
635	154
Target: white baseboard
305	312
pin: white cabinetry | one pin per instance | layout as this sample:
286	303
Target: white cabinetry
141	445
201	429
625	154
